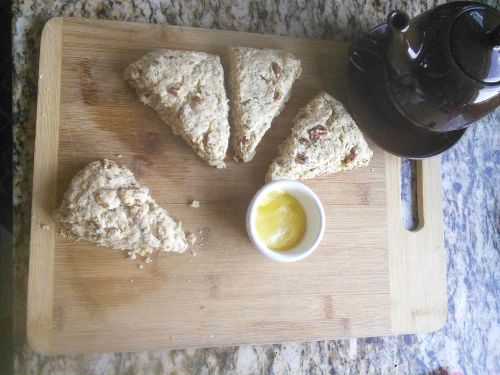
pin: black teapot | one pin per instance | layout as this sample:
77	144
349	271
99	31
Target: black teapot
415	85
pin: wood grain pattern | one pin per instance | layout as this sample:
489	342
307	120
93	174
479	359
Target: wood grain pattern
418	268
81	298
41	269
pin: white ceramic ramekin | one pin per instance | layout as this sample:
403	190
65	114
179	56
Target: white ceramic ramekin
315	218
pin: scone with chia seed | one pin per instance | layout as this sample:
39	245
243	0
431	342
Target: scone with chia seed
105	204
260	84
186	88
324	139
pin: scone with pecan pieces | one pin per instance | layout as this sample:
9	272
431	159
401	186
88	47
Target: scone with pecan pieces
105	204
186	88
324	139
260	83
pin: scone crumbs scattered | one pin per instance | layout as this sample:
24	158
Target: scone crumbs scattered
119	156
191	238
131	280
195	204
141	266
70	236
148	260
200	238
44	226
203	307
371	169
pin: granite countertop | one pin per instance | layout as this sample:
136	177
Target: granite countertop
470	340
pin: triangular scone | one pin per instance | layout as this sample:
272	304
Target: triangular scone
260	83
186	88
106	205
324	139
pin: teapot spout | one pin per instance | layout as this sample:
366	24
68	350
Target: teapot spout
398	21
403	42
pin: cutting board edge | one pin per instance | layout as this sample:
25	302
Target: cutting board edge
43	229
125	349
423	261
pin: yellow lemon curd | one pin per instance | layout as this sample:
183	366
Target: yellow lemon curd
280	221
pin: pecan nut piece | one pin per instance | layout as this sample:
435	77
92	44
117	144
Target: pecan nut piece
317	132
352	155
304	140
95	225
301	158
276	69
206	140
173	90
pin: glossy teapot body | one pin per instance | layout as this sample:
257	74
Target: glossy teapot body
415	85
443	67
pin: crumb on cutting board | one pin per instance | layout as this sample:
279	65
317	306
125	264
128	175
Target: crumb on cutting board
191	238
195	204
70	236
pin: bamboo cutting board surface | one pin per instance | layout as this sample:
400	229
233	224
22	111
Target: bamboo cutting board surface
370	276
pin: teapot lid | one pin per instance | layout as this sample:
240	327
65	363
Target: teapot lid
475	44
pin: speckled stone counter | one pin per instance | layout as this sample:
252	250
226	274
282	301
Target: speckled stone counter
469	343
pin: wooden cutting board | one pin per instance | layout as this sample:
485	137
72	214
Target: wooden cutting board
369	277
